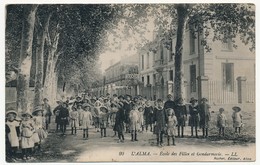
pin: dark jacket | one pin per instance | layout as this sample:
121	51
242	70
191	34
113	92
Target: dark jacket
169	104
160	119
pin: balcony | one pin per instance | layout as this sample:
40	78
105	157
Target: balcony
159	65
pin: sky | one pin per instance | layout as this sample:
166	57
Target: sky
107	58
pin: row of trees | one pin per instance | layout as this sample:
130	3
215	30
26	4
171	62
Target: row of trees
57	45
53	46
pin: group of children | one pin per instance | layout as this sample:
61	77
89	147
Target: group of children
127	115
25	132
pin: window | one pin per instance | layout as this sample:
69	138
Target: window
192	43
142	61
193	78
154	78
148	79
171	53
227	45
228	76
148	61
161	53
171	75
142	79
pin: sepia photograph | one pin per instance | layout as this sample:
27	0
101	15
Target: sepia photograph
130	82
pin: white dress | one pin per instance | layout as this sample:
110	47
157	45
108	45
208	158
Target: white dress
74	119
237	119
171	126
39	123
12	135
134	120
27	130
86	119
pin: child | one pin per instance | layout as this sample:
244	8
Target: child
79	110
86	119
171	126
148	115
194	116
12	134
27	130
205	117
103	120
47	113
181	114
39	126
134	122
237	119
160	122
74	120
97	106
221	122
119	123
141	117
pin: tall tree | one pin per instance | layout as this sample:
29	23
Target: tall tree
43	18
25	57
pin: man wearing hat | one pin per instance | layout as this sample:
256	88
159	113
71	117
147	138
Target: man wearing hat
204	113
194	116
47	113
12	133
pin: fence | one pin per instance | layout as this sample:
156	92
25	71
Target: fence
219	95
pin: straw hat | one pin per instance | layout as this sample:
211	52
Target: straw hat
37	109
26	113
11	111
103	109
221	109
85	105
193	100
204	99
236	108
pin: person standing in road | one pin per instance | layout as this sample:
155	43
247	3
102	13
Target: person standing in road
74	120
181	114
160	122
47	113
86	119
237	119
221	122
171	125
134	122
194	117
148	115
128	106
56	111
119	123
64	116
204	116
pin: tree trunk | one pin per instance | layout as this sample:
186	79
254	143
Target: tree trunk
182	15
52	59
41	35
25	58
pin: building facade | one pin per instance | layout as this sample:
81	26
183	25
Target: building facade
223	75
120	78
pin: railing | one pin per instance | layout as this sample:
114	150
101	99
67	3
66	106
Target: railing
220	95
250	92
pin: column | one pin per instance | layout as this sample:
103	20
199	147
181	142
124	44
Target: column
203	88
241	87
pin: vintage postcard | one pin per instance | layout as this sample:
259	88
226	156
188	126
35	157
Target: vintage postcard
130	82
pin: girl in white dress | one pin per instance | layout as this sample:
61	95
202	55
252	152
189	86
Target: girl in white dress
27	130
74	120
39	126
12	133
86	120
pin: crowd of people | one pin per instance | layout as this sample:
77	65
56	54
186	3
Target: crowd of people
123	114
